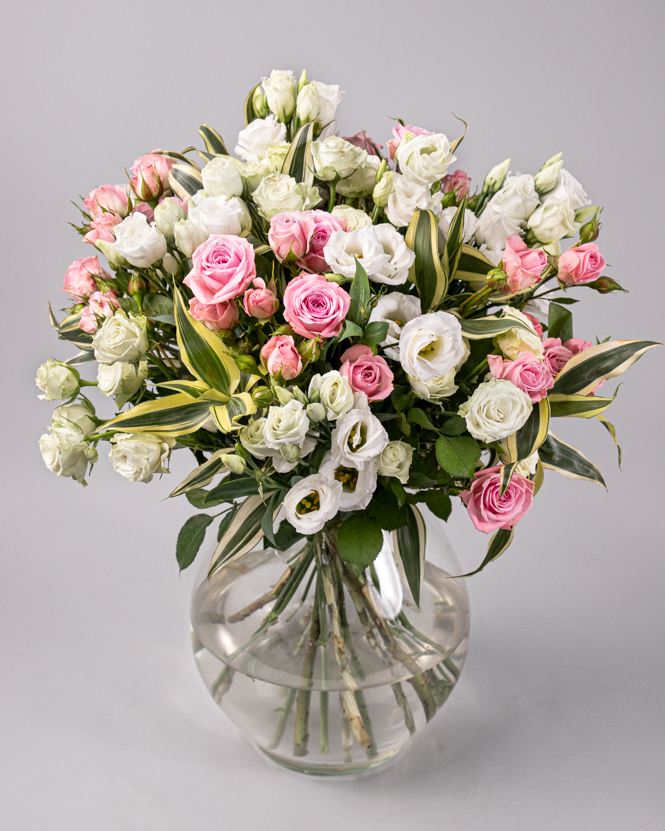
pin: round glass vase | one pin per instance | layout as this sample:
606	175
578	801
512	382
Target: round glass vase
329	685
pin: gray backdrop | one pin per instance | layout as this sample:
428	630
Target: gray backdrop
557	722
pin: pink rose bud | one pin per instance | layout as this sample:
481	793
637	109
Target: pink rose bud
260	302
488	510
314	307
537	325
310	350
522	264
362	140
398	135
100	304
527	372
367	372
223	267
457	182
280	357
216	316
556	355
80	280
102	228
290	234
151	175
581	264
324	225
106	199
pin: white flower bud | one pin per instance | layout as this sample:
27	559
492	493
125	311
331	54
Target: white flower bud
315	412
383	189
290	452
236	464
221	177
547	177
283	395
495	177
167	213
188	236
109	250
170	264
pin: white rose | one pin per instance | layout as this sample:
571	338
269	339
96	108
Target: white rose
121	338
252	438
361	182
280	192
470	223
569	191
552	221
406	197
138	456
78	415
139	241
221	177
188	236
425	159
355	218
383	189
396	270
257	136
221	215
280	93
514	341
395	309
121	379
167	213
329	98
357	485
311	503
496	410
56	380
335	158
307	103
344	247
358	437
273	161
334	392
517	197
495	226
430	345
395	460
435	388
286	425
66	453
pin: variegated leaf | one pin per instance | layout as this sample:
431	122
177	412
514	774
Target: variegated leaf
185	180
409	543
538	477
298	162
473	267
82	357
611	429
453	250
194	389
427	273
203	475
242	535
178	157
584	371
578	406
455	144
250	112
490	326
566	460
227	416
499	542
213	141
173	415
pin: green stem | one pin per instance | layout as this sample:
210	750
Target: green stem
405	707
375	214
304	694
323	695
222	683
83	383
333	191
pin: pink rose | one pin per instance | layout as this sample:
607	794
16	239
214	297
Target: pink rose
522	264
314	307
100	304
222	268
324	225
80	280
537	325
106	199
581	264
151	175
577	345
290	234
399	133
488	510
102	228
457	182
528	373
216	316
280	357
367	372
260	302
145	209
556	355
368	144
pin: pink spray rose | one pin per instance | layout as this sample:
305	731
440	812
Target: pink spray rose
280	355
102	228
581	264
80	280
145	209
100	304
222	268
290	234
488	510
367	372
577	345
365	142
537	325
106	199
457	182
216	316
528	373
522	264
324	225
151	175
260	301
314	307
556	355
399	133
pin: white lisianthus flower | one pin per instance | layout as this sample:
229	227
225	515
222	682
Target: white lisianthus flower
78	415
344	247
495	226
272	162
121	338
329	98
358	486
552	222
66	453
435	388
395	460
514	341
471	222
333	391
538	308
167	213
494	255
286	425
279	193
221	215
396	270
280	90
139	241
383	189
335	158
395	309
257	136
188	236
361	182
406	197
569	191
121	379
311	503
138	456
517	197
56	380
496	410
358	437
430	345
425	159
221	177
354	217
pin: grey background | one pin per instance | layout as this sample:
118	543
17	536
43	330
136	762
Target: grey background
557	722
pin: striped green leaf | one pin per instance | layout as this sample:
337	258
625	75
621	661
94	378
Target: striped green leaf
233	487
70	329
360	294
530	437
173	415
538	477
427	273
242	534
409	544
566	460
203	475
250	112
298	162
185	180
453	250
584	371
82	357
227	416
490	326
578	406
178	157
500	540
506	475
194	389
272	509
473	266
455	144
213	141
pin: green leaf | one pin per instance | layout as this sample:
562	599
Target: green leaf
440	506
422	237
286	536
453	250
473	266
611	429
409	545
375	332
419	417
197	497
359	292
453	426
231	489
360	539
250	112
398	489
578	406
386	509
159	307
241	535
349	330
532	434
585	370
457	455
559	322
490	326
298	162
190	538
185	180
202	475
272	509
566	460
173	415
213	141
227	520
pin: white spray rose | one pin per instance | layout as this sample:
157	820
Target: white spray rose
470	223
139	241
361	182
221	215
121	379
221	177
552	221
425	159
311	503
280	93
121	338
138	456
358	436
354	217
280	192
188	236
357	485
396	309
77	415
66	453
334	392
430	345
495	226
569	191
257	136
383	189
344	247
167	213
496	410
517	197
56	380
286	425
514	341
335	158
396	270
406	197
273	161
252	438
395	460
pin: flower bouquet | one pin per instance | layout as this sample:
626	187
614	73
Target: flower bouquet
340	336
